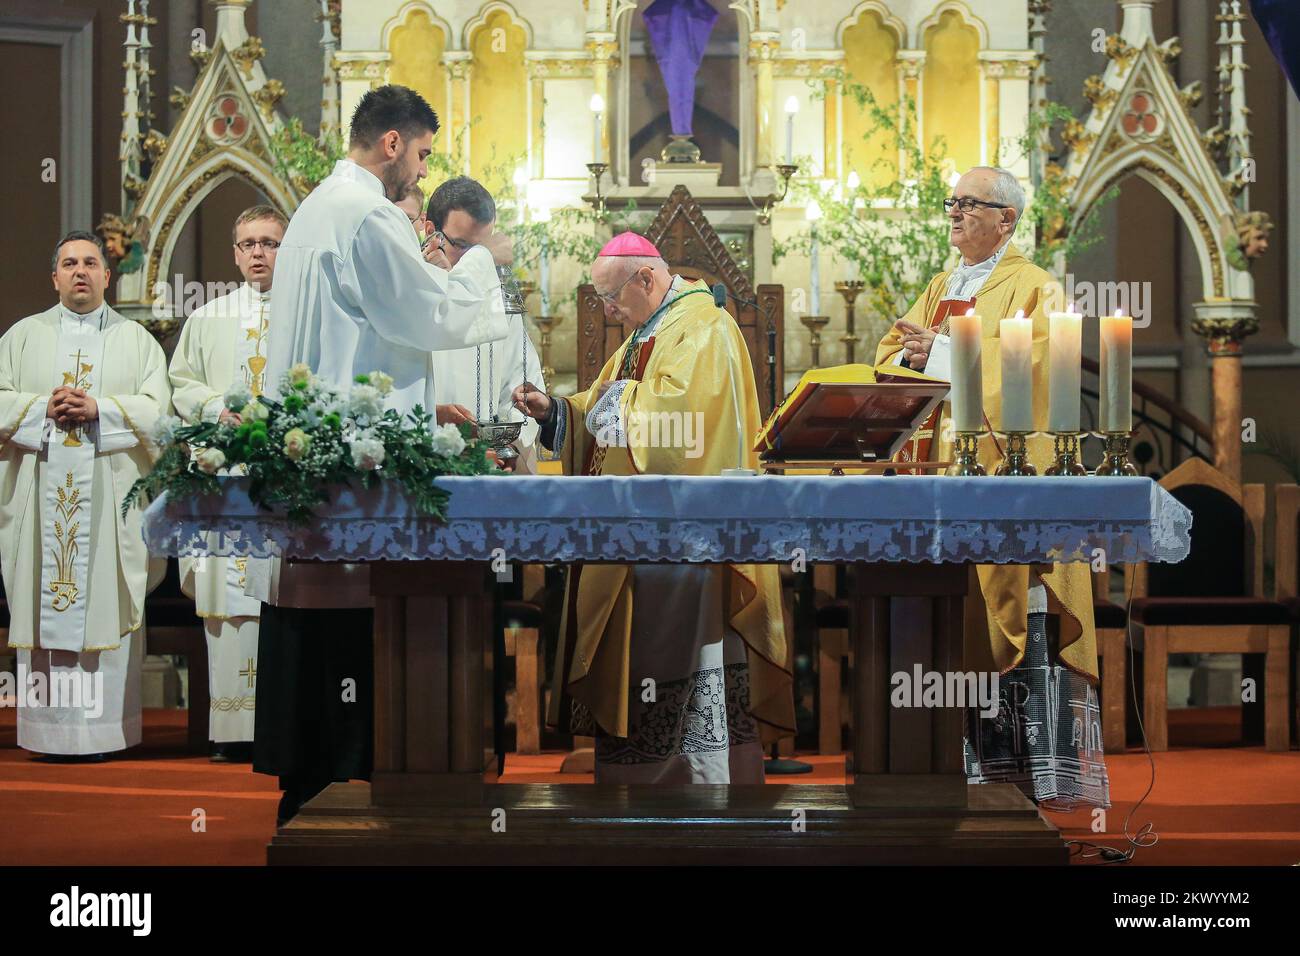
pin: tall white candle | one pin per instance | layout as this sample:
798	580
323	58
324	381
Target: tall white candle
791	107
1017	337
1116	373
597	105
815	280
967	394
813	213
544	279
1064	382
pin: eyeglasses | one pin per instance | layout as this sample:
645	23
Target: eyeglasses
612	297
460	244
248	245
966	204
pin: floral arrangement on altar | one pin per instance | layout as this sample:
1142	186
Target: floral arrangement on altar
308	438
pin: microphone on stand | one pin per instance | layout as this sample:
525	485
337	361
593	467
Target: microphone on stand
720	300
720	293
774	764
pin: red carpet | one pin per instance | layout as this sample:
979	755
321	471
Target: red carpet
1213	804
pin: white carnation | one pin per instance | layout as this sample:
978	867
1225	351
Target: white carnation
365	401
367	453
164	430
237	396
447	440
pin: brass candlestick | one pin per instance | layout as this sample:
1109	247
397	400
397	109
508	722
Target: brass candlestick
1067	460
850	289
1016	463
597	170
1115	449
815	324
785	171
545	323
966	455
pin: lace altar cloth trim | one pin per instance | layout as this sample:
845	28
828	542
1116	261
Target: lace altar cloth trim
766	519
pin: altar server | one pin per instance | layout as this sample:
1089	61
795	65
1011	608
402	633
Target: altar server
677	670
81	388
224	344
355	294
352	295
1016	612
477	384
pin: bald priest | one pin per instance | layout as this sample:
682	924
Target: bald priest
678	671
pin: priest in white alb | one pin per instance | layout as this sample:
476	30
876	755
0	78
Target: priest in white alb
352	295
476	384
221	352
81	389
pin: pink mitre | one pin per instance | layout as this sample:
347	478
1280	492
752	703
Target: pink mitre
630	244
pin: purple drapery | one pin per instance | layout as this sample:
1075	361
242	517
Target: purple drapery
679	31
1279	20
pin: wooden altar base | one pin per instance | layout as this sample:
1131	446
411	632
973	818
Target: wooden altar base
583	824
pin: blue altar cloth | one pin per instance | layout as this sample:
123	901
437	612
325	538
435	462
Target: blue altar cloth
763	519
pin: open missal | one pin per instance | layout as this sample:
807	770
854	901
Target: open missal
850	413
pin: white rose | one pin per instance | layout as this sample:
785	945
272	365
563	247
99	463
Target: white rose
381	381
447	440
210	460
367	453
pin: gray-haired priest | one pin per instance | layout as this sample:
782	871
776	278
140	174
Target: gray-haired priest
219	364
81	388
1034	626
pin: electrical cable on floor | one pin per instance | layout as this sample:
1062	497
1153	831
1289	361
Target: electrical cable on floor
1146	836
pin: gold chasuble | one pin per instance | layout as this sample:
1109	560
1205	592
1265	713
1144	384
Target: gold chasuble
684	371
996	628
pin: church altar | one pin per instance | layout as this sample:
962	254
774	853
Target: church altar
433	796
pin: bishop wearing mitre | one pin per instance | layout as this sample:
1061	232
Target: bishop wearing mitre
222	353
677	670
1032	625
81	389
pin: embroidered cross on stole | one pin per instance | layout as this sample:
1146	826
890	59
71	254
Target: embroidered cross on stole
250	350
632	367
68	479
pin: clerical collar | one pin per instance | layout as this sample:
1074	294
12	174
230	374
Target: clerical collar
257	295
94	315
966	280
358	174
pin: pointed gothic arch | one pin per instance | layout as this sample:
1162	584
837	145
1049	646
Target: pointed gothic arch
1139	126
224	131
